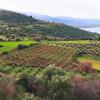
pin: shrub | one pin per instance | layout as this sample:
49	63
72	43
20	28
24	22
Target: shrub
28	96
1	46
18	39
52	70
5	52
87	90
7	88
31	84
57	87
21	46
81	53
86	67
31	45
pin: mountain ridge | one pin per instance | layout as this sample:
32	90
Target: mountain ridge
76	22
20	24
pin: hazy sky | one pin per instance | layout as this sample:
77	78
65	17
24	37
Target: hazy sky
72	8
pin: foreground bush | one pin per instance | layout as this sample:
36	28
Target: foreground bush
57	87
52	84
7	88
52	70
31	84
86	89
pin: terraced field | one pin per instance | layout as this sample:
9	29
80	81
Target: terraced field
40	55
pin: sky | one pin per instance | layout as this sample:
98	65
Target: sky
71	8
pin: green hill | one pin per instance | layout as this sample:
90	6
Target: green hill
22	25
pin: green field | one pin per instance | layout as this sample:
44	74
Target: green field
8	46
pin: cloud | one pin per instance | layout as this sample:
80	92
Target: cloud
73	8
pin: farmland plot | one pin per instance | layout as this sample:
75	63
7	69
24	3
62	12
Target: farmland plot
40	55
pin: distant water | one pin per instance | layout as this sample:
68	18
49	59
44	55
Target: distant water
96	29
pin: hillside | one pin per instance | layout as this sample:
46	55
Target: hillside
22	25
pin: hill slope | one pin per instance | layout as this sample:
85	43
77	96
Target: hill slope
22	25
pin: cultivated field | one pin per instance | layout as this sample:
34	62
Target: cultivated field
52	55
41	56
89	48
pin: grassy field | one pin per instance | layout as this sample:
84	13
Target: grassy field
8	46
94	59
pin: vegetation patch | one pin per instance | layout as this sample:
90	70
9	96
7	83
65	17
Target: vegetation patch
95	60
52	84
10	45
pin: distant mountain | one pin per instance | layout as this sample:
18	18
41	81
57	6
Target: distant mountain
77	22
22	25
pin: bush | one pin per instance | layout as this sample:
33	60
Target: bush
31	84
5	52
51	71
1	46
18	39
7	88
28	96
21	46
31	45
87	90
86	67
57	87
